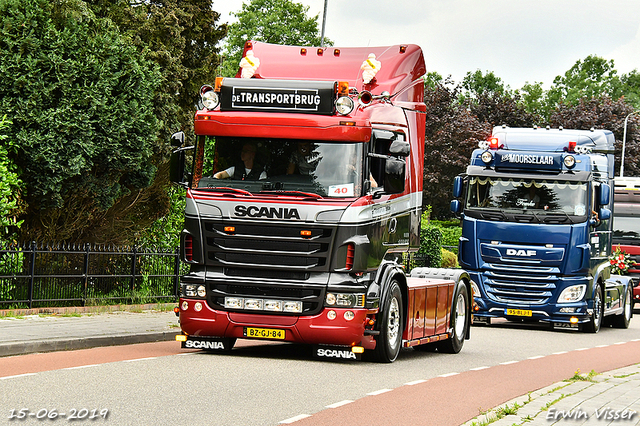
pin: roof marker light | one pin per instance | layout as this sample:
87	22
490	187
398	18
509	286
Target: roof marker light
403	48
336	52
320	51
303	51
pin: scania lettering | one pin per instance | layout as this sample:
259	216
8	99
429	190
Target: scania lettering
303	205
332	353
268	212
536	210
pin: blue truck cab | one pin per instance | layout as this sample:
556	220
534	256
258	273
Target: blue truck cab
535	206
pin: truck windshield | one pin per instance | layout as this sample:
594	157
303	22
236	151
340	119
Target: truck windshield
626	228
262	165
511	195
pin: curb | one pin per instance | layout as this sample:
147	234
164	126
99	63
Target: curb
23	348
102	309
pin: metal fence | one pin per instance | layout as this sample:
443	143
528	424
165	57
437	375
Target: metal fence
35	275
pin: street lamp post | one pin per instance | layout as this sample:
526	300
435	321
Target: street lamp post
624	142
324	21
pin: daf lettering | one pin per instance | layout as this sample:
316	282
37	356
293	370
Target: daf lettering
266	212
521	253
203	344
332	353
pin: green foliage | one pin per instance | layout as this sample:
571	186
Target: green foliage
449	259
86	131
592	77
9	187
451	233
269	21
181	37
429	254
164	233
477	83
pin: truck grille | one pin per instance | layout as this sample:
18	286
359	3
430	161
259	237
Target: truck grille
267	247
524	285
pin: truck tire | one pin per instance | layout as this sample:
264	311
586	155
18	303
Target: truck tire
389	340
623	320
595	322
459	321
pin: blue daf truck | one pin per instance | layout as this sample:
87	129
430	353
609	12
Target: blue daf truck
536	206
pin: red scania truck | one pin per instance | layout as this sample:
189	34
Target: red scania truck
303	201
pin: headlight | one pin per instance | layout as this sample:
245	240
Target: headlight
344	105
475	290
210	99
574	293
345	300
569	161
190	290
486	157
202	291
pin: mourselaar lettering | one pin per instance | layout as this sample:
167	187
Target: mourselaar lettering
527	159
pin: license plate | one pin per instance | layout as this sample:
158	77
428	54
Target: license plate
518	312
264	333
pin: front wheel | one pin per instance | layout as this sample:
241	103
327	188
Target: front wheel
459	321
623	320
595	322
389	340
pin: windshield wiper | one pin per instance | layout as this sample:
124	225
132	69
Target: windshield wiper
558	217
294	193
228	190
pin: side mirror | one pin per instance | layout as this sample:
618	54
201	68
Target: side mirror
604	213
176	166
394	174
456	206
605	193
400	148
457	187
177	139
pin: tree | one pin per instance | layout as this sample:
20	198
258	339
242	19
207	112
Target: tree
452	133
588	78
604	113
269	21
477	83
181	36
10	187
81	99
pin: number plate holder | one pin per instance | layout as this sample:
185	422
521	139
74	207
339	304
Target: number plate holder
518	312
264	333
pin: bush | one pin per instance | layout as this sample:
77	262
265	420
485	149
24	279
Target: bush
449	259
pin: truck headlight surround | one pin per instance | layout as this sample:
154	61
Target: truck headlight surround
209	97
486	157
475	290
202	291
569	161
345	300
344	105
571	294
190	290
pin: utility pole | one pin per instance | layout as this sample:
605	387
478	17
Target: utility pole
324	22
624	142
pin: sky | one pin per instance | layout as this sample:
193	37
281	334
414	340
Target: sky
519	40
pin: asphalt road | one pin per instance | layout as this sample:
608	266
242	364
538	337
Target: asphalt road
265	384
